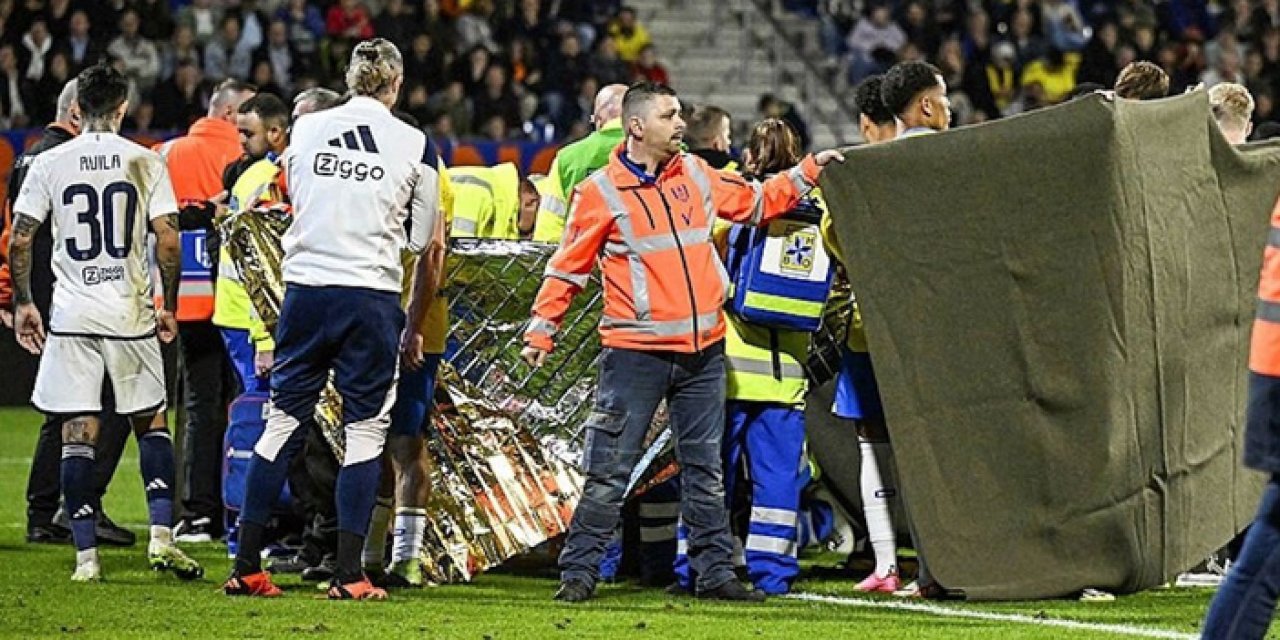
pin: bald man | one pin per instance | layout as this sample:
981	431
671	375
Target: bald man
575	162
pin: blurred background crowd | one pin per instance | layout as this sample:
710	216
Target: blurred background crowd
528	69
1002	57
489	69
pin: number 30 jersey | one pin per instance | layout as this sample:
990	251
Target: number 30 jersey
102	191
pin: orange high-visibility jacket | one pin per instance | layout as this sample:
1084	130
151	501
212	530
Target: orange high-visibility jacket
1264	346
664	284
196	162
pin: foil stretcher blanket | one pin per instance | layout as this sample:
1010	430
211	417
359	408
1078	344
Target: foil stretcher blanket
505	439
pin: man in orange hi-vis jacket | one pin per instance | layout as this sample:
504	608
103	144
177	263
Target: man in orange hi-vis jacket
1246	601
646	217
196	164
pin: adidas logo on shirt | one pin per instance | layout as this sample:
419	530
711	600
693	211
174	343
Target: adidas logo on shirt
156	485
358	139
83	512
333	166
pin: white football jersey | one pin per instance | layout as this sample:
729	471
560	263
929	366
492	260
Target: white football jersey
364	186
103	191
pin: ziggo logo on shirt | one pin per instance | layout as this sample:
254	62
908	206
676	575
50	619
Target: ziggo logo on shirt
329	165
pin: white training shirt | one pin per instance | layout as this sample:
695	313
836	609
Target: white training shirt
103	190
364	187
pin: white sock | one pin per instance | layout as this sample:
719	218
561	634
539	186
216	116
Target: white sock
875	506
161	535
410	525
87	556
375	544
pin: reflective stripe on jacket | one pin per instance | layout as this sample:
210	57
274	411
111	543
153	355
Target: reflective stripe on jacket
571	166
1264	346
486	202
196	162
664	284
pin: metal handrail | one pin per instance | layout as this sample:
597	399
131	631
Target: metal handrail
847	113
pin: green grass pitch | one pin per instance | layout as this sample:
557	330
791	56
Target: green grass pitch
37	598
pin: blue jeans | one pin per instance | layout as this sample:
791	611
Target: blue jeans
631	385
1245	602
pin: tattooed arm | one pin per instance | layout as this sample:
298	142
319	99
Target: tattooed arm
28	324
169	259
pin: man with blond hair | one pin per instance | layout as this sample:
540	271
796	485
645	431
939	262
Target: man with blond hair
1232	107
364	187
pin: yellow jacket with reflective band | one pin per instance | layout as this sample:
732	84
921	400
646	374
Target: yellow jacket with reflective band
856	339
486	202
231	306
762	364
552	207
435	325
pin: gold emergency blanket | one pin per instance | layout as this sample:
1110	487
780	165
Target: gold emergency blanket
253	241
496	491
505	439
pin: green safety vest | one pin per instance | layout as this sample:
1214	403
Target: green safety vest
572	165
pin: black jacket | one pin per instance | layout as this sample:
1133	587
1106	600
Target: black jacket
42	246
717	159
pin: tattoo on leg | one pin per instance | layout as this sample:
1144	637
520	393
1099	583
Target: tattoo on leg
80	430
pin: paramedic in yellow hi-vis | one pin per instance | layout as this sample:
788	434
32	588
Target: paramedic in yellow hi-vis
575	162
263	121
494	203
415	393
764	365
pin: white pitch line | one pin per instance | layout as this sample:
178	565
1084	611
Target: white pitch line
933	609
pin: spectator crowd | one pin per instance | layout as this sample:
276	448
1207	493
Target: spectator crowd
1002	57
492	69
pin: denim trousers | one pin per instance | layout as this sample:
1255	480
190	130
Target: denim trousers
1245	602
631	385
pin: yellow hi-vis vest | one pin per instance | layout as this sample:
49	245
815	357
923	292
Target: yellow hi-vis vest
435	325
763	364
231	306
486	202
856	338
553	206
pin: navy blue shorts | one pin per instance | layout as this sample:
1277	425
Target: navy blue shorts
414	396
857	394
355	332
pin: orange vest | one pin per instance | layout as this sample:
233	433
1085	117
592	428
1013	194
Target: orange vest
1264	346
196	162
664	284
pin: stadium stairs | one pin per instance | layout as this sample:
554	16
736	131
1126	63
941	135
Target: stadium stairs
731	52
